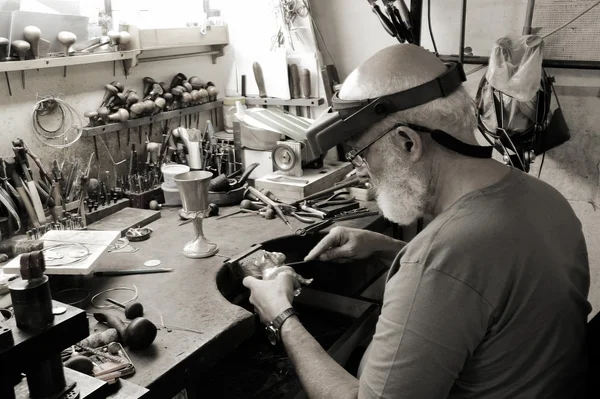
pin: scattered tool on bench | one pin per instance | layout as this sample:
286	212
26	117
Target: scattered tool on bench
127	272
276	207
139	334
131	310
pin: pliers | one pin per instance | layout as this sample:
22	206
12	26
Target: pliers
398	24
336	199
304	217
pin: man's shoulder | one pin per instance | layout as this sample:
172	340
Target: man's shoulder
485	226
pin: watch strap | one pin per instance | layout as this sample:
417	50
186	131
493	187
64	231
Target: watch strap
282	317
277	323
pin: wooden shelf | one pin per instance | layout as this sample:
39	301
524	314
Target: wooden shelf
296	102
173	43
53	62
92	131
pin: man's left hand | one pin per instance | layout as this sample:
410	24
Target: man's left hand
271	297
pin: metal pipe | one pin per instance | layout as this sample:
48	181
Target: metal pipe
528	17
463	25
562	64
416	13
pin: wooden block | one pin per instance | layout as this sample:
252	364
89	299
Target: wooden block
189	36
105	211
314	180
126	219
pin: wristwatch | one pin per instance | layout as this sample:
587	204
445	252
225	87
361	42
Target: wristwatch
274	327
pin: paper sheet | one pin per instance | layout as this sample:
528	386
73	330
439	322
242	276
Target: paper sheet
95	242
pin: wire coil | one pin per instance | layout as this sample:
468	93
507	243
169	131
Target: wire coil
69	130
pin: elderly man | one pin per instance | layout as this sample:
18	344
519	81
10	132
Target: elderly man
489	300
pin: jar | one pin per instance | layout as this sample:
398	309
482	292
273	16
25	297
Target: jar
229	110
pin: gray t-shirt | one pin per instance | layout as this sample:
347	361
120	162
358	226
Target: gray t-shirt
488	301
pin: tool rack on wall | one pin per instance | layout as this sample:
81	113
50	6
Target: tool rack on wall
147	45
299	103
53	62
92	131
296	102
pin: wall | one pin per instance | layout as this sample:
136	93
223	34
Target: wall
353	33
83	89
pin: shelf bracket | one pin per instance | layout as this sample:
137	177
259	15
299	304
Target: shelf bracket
219	52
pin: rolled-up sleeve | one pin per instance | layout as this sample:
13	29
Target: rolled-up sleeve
429	326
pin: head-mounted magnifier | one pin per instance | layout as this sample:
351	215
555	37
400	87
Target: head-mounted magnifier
346	119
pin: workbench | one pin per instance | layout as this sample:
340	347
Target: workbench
188	297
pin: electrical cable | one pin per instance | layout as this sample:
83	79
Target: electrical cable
571	21
541	164
430	28
135	296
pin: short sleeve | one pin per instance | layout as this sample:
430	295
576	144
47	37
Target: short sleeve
429	326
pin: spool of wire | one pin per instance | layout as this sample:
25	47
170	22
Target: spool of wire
56	123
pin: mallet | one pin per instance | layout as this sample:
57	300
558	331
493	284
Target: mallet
67	39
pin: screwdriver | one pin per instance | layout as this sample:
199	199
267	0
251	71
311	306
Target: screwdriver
67	39
21	47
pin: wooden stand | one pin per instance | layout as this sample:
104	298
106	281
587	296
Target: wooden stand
142	200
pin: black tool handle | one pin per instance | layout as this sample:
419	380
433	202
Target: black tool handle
406	29
396	22
387	24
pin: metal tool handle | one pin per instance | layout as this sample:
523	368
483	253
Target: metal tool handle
396	22
349	183
305	88
406	30
314	228
405	13
387	24
295	79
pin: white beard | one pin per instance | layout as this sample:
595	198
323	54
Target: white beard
402	196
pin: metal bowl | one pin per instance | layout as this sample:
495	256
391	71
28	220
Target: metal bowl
233	197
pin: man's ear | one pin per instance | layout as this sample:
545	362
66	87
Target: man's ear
409	141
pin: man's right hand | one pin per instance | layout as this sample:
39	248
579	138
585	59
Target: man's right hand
344	244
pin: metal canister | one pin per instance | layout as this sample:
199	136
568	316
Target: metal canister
32	303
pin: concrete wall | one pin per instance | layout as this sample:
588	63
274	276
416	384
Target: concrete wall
353	33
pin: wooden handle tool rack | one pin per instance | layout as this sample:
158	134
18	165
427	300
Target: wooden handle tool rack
147	120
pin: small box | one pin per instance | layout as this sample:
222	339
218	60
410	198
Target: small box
142	200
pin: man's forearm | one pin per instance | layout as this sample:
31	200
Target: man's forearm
320	375
387	248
